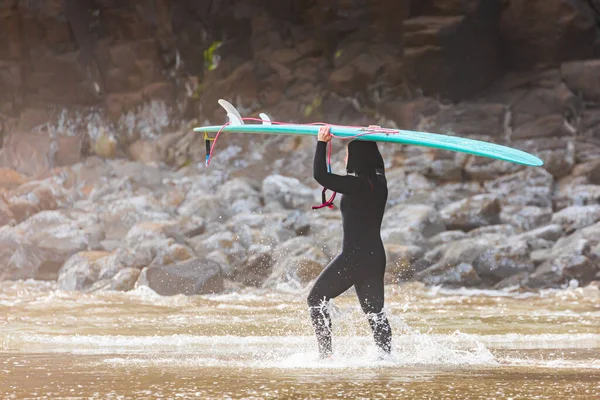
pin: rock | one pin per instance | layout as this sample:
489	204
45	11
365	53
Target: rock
412	224
559	271
408	114
580	195
576	217
590	233
191	277
125	279
81	270
138	173
545	126
448	193
240	195
289	192
57	236
123	214
11	179
242	81
503	260
590	170
551	232
531	95
559	162
525	217
578	243
145	151
208	207
409	188
472	212
6	216
467	250
105	144
582	78
530	187
518	280
444	171
446	237
471	119
20	259
547	40
137	257
45	194
402	262
498	230
462	274
257	267
26	153
436	45
483	168
21	209
297	262
345	81
226	242
299	222
172	254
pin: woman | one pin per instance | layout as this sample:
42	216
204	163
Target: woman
362	261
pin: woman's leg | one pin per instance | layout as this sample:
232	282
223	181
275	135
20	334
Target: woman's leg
335	279
371	295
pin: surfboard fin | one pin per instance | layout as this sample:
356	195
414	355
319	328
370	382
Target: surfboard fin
232	113
265	119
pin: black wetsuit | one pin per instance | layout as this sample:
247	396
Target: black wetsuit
362	260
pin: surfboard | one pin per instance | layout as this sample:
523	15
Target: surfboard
264	125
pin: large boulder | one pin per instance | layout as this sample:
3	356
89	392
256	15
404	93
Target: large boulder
462	274
48	239
560	271
225	242
437	45
257	267
38	195
287	192
297	262
471	119
402	261
503	260
240	195
473	212
525	217
550	36
6	216
582	78
81	270
576	217
21	259
529	187
410	224
579	195
121	215
578	243
191	277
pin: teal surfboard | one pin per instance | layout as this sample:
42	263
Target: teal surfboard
438	141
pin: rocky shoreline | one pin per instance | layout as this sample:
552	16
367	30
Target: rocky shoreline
110	191
115	224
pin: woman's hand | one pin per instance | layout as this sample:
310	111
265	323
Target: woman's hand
374	127
324	134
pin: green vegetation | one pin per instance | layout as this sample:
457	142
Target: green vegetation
210	58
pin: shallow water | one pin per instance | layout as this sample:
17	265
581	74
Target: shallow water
259	344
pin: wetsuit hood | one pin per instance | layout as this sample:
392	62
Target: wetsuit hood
363	157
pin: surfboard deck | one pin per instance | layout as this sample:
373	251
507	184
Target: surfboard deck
433	140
